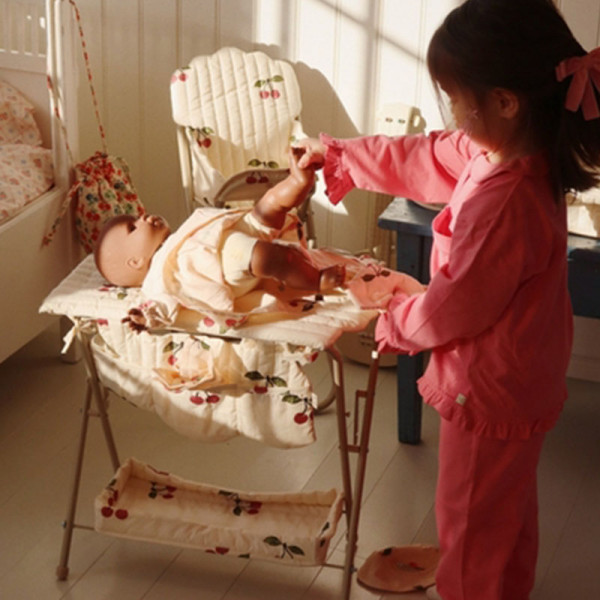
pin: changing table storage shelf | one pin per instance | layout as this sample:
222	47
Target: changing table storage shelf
146	504
143	503
412	224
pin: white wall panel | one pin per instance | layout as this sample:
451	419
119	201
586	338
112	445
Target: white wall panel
123	70
351	56
236	24
316	59
274	27
399	63
197	28
583	17
434	12
91	12
355	80
355	73
158	143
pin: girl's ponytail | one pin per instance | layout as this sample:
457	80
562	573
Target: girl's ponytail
518	45
578	140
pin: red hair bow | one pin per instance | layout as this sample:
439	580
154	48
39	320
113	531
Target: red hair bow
586	75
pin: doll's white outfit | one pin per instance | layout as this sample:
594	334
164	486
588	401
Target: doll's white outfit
204	264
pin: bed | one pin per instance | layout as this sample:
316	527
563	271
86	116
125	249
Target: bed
29	270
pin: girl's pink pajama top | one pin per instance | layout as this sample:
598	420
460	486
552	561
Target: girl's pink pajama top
496	314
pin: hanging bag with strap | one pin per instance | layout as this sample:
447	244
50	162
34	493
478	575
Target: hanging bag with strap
102	186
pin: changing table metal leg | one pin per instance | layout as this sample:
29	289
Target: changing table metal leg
353	498
62	571
362	449
100	396
96	392
338	382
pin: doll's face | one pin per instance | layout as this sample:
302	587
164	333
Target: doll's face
127	245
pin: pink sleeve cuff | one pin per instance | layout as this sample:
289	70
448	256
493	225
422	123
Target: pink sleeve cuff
337	179
386	334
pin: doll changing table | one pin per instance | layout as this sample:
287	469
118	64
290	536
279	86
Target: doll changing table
144	503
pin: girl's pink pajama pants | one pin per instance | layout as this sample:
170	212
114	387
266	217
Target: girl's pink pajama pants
486	511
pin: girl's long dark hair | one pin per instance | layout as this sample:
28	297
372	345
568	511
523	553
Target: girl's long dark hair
516	45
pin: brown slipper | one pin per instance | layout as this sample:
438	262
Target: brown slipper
400	569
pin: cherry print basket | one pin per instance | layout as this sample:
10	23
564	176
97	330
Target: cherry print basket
145	504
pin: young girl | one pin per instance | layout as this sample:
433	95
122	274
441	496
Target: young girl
496	314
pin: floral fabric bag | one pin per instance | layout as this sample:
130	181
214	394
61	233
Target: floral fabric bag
102	189
102	186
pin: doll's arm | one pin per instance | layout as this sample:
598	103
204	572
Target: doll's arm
289	265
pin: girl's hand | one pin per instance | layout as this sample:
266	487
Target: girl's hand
314	153
304	176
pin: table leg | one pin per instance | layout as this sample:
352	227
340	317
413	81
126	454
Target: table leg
410	404
412	257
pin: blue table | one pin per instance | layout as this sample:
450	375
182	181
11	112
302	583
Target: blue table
412	224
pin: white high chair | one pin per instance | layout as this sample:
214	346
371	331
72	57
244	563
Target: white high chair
236	115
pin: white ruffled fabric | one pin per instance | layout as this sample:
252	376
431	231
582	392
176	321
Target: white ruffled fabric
209	377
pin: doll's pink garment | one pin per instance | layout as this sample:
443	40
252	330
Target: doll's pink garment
496	313
187	269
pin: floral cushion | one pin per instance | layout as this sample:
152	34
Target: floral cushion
17	124
25	173
240	111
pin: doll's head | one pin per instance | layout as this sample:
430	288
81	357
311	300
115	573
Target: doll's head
126	246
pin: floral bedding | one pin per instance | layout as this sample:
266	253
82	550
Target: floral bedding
25	166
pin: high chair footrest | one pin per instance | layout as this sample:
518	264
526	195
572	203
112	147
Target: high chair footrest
146	504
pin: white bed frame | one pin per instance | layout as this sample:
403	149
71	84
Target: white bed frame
33	41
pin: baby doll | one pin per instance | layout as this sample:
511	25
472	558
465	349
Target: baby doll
217	255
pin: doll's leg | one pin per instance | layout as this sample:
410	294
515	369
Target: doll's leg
482	501
291	266
332	277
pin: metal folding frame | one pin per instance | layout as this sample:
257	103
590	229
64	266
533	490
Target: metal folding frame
95	404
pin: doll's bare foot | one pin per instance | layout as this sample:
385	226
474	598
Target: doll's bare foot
332	277
136	320
301	181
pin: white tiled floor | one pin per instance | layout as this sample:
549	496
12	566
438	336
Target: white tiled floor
39	419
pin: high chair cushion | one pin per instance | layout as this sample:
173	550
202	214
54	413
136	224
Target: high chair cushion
239	111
